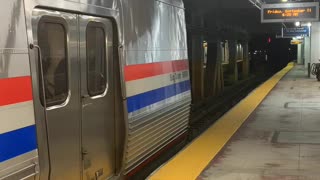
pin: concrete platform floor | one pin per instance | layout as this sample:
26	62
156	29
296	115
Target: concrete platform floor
280	140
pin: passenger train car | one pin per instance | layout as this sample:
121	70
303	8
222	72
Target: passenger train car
90	89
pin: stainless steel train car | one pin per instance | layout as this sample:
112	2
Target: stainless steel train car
90	89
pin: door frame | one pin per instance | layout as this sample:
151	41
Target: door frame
108	93
121	128
70	127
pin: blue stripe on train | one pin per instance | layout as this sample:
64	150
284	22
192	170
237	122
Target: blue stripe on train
17	142
140	101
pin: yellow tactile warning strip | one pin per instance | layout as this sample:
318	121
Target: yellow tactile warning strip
190	162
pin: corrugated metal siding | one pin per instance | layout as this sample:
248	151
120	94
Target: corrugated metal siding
151	133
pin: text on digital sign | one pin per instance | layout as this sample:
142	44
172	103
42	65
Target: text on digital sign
275	13
290	12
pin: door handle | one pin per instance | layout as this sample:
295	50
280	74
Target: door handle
85	152
85	96
32	46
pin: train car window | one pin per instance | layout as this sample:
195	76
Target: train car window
96	59
52	40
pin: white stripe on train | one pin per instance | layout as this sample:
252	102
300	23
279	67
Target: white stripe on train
16	116
18	65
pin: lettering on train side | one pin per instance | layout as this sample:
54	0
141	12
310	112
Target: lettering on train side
179	76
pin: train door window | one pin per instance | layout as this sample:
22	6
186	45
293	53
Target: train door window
52	40
96	59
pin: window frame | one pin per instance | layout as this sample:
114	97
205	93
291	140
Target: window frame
101	25
60	21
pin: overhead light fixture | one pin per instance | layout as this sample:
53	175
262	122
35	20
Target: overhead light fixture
297	24
284	0
309	24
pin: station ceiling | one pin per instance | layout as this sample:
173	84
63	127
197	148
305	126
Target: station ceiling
241	13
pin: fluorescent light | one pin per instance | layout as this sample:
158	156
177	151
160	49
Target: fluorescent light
297	24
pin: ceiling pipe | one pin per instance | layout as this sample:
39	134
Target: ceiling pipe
256	3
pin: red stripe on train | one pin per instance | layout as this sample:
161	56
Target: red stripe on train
15	90
140	71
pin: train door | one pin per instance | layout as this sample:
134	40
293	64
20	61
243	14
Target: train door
96	56
58	75
75	85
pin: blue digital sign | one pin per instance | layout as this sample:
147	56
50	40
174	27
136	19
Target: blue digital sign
297	31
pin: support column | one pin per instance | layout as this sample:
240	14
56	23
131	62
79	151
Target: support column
220	70
197	69
299	60
195	40
214	72
233	65
315	45
210	69
246	63
307	51
302	53
218	75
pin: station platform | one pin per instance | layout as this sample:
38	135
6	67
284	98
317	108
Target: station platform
274	133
